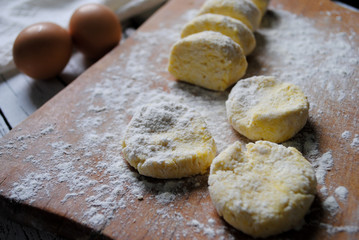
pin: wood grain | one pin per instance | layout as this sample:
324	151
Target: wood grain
30	147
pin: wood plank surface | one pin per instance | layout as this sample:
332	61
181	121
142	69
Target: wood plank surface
62	169
21	95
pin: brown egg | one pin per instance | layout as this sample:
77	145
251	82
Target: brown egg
95	30
42	50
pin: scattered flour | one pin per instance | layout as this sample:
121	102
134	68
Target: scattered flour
331	205
165	198
322	165
336	229
207	229
97	219
301	46
324	191
30	186
93	171
346	135
355	142
342	193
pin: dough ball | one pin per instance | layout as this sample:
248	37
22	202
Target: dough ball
263	191
207	59
168	140
262	5
260	108
228	26
243	10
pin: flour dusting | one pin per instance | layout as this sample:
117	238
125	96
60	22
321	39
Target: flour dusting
30	186
322	165
346	135
342	193
355	142
331	205
336	229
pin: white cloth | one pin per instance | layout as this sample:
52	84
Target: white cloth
15	15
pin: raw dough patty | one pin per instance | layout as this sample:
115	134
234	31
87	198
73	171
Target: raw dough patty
261	108
168	140
243	10
207	59
228	26
263	191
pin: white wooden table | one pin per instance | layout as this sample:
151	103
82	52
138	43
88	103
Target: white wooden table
21	95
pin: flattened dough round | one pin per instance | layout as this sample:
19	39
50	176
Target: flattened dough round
243	10
263	191
168	140
228	26
207	59
261	108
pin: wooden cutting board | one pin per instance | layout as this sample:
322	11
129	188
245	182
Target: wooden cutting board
62	169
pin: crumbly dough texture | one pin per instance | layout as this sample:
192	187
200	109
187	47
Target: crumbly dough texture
261	108
263	191
243	10
228	26
168	140
207	59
